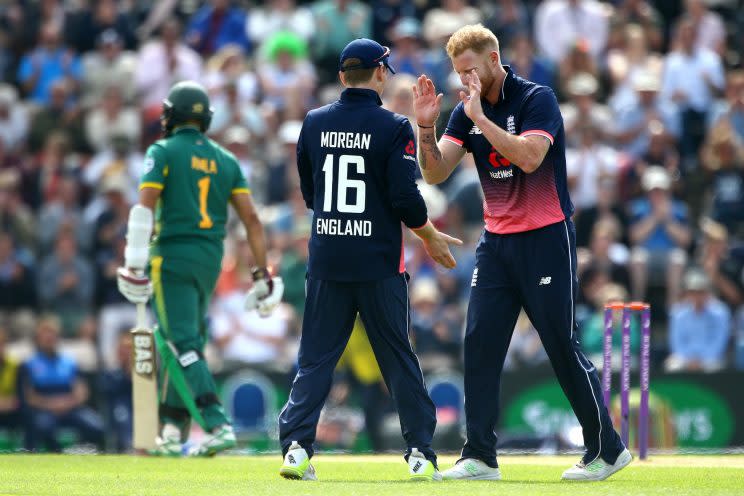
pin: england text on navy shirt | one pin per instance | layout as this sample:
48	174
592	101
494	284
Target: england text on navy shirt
515	201
357	164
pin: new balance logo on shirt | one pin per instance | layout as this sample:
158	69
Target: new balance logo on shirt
544	281
510	127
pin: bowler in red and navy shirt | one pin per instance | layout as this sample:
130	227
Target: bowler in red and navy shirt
526	257
516	200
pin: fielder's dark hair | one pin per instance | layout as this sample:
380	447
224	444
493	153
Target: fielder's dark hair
356	76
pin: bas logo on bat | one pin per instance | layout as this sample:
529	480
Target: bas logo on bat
144	359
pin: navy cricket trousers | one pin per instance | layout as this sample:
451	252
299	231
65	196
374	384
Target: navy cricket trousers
534	270
330	310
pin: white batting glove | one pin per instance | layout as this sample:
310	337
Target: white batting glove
266	293
135	287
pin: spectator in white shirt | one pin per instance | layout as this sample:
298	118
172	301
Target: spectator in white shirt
120	159
230	109
13	119
280	15
626	62
163	62
233	92
587	164
583	108
245	337
693	78
108	64
230	65
111	118
634	121
709	28
560	24
453	13
287	77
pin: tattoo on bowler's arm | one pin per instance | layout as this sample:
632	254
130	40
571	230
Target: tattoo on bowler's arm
429	145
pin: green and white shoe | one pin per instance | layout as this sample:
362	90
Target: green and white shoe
421	469
471	469
297	464
597	470
166	447
168	443
222	439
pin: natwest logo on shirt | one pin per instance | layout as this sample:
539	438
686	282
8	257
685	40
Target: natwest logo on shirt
497	160
410	151
501	174
501	163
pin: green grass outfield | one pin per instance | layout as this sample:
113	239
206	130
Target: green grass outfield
73	475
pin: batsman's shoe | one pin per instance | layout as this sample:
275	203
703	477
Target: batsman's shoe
221	440
421	469
471	469
597	470
169	446
297	464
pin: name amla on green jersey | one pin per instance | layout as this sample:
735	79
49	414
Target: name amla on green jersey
197	178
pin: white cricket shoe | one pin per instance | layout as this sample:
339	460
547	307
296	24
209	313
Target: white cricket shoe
297	464
168	443
223	438
598	470
471	469
421	469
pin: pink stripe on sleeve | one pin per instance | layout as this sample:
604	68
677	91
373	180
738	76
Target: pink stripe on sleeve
539	133
452	139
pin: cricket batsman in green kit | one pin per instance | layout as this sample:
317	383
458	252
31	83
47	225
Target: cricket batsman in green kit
188	182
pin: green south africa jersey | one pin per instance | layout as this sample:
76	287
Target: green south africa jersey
197	178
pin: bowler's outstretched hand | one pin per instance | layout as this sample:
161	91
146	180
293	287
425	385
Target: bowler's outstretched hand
426	102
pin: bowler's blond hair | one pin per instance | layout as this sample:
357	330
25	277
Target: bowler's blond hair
475	37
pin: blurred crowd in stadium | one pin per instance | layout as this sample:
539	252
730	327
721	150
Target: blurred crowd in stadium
652	94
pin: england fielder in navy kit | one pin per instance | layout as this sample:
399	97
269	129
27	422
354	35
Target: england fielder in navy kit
526	257
357	164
